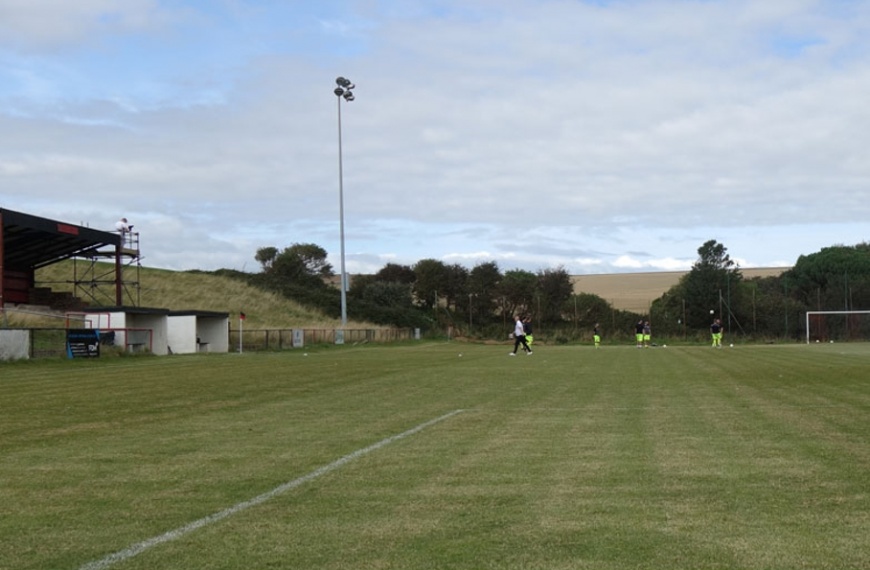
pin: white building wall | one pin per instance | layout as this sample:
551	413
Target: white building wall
14	344
181	334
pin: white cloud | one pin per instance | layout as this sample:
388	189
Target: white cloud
599	137
59	24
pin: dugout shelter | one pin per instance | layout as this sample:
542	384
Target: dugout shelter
159	331
136	329
198	331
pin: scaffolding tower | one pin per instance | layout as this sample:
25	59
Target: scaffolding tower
95	281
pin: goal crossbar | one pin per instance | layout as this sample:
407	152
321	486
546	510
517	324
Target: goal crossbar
811	313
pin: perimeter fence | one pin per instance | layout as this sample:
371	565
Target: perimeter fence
51	342
48	342
280	339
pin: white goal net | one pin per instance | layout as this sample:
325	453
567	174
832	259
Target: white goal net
827	326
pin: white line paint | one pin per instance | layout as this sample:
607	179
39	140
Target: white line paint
140	547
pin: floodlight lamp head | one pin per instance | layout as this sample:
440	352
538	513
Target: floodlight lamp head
343	82
338	91
348	96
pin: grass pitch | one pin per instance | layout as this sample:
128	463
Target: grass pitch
407	457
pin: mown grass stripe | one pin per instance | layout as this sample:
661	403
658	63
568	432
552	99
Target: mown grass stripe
177	533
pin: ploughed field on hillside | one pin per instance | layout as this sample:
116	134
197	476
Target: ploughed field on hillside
635	291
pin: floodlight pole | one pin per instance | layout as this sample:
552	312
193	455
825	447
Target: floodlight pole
343	91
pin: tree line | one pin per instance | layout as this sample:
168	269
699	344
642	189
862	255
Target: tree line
481	301
837	278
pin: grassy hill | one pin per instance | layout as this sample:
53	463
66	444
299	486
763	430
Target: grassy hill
191	290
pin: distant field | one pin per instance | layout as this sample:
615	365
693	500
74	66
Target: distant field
440	456
636	291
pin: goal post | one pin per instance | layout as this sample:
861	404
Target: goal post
849	324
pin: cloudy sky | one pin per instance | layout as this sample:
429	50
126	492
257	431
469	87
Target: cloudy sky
601	136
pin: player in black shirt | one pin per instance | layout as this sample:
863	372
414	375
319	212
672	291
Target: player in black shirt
716	333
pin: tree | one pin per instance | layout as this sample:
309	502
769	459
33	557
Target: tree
707	286
430	280
390	287
313	257
483	286
299	265
518	290
359	284
770	304
457	278
713	255
288	267
835	278
266	257
388	294
553	289
395	273
588	309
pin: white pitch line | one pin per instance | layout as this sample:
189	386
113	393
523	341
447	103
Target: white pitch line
140	547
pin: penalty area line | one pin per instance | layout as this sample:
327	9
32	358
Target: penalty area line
177	533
